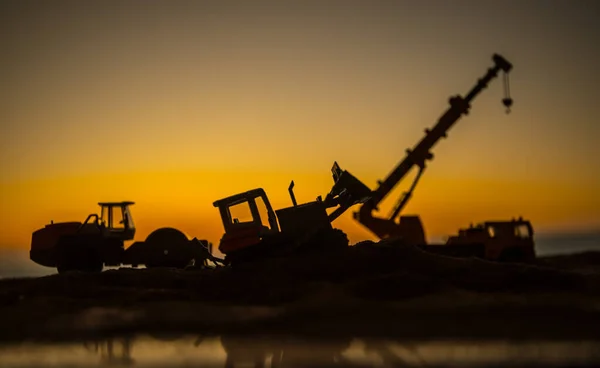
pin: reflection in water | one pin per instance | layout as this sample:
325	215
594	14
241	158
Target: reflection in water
294	354
263	352
389	358
113	351
229	352
240	352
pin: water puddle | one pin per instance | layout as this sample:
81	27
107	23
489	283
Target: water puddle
198	351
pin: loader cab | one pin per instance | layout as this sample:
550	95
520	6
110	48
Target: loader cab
115	220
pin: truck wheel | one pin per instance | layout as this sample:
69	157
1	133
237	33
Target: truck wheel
512	255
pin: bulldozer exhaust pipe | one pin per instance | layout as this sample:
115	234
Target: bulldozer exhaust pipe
291	190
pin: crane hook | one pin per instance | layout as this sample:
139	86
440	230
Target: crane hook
507	100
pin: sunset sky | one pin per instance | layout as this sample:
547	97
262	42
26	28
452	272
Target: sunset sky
174	104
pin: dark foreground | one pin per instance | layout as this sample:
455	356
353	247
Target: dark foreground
380	292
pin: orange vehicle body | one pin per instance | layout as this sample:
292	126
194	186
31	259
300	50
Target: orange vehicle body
45	239
99	241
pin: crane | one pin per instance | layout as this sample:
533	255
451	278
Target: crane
348	190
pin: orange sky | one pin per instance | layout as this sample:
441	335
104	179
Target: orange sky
176	106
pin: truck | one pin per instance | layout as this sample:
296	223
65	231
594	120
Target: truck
254	230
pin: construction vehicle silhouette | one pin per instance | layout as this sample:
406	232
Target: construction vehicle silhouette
298	229
495	240
308	226
100	241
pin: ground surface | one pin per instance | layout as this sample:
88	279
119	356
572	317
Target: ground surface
381	291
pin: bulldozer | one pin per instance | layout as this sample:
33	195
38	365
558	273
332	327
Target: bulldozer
296	229
99	241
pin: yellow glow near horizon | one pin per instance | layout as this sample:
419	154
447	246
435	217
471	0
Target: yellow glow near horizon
184	200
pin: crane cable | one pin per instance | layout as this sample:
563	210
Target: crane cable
507	100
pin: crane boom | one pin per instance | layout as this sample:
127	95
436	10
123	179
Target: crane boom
421	152
349	191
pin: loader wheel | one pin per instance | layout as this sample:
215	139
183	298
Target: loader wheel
512	255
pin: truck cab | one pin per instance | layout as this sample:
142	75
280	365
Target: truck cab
501	240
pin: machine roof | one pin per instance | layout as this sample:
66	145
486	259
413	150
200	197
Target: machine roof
123	203
253	193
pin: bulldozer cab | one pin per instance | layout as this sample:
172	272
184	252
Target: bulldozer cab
247	217
115	220
248	209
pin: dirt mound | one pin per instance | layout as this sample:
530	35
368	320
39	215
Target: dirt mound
360	288
383	270
585	262
388	270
